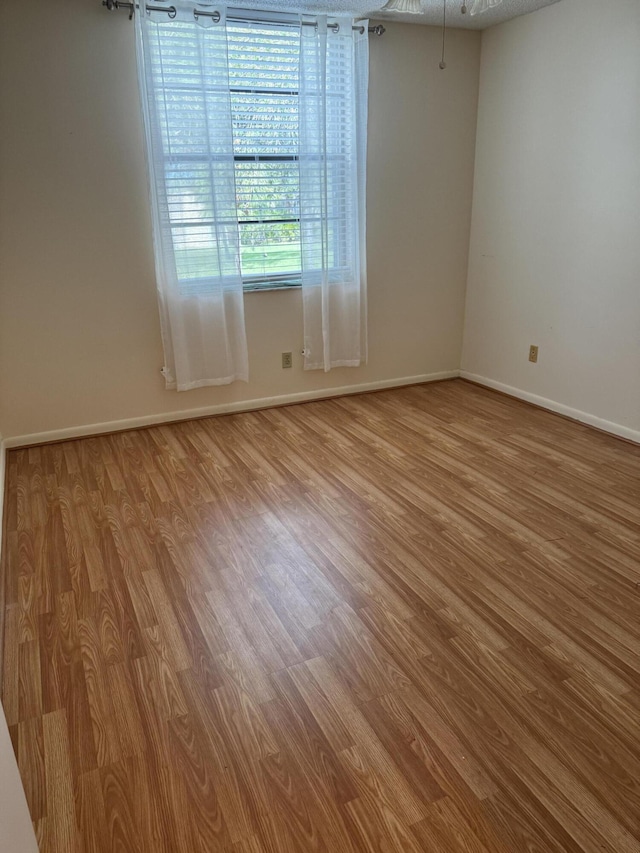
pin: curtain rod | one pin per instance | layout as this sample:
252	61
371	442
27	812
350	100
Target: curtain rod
215	16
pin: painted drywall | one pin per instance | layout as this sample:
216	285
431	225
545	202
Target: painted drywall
555	254
16	830
3	466
79	332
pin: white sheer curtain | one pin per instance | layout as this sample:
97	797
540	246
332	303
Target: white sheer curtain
334	67
184	82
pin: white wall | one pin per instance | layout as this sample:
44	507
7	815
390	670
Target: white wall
555	243
79	332
16	831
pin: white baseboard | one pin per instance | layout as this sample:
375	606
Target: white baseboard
222	409
559	408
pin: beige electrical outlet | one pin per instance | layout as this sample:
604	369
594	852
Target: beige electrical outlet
533	353
287	359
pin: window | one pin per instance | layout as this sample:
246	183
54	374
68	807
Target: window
263	63
263	79
256	138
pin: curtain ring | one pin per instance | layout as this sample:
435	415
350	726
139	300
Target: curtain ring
172	12
213	16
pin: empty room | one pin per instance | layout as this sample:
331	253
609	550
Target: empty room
320	426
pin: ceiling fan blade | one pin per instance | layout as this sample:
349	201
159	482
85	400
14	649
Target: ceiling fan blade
407	7
479	6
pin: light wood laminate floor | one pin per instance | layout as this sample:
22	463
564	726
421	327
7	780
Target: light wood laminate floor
405	621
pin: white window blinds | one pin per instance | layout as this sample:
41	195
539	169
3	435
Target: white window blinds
264	81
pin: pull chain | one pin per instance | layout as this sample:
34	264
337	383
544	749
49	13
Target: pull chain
443	64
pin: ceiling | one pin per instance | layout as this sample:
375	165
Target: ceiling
432	13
